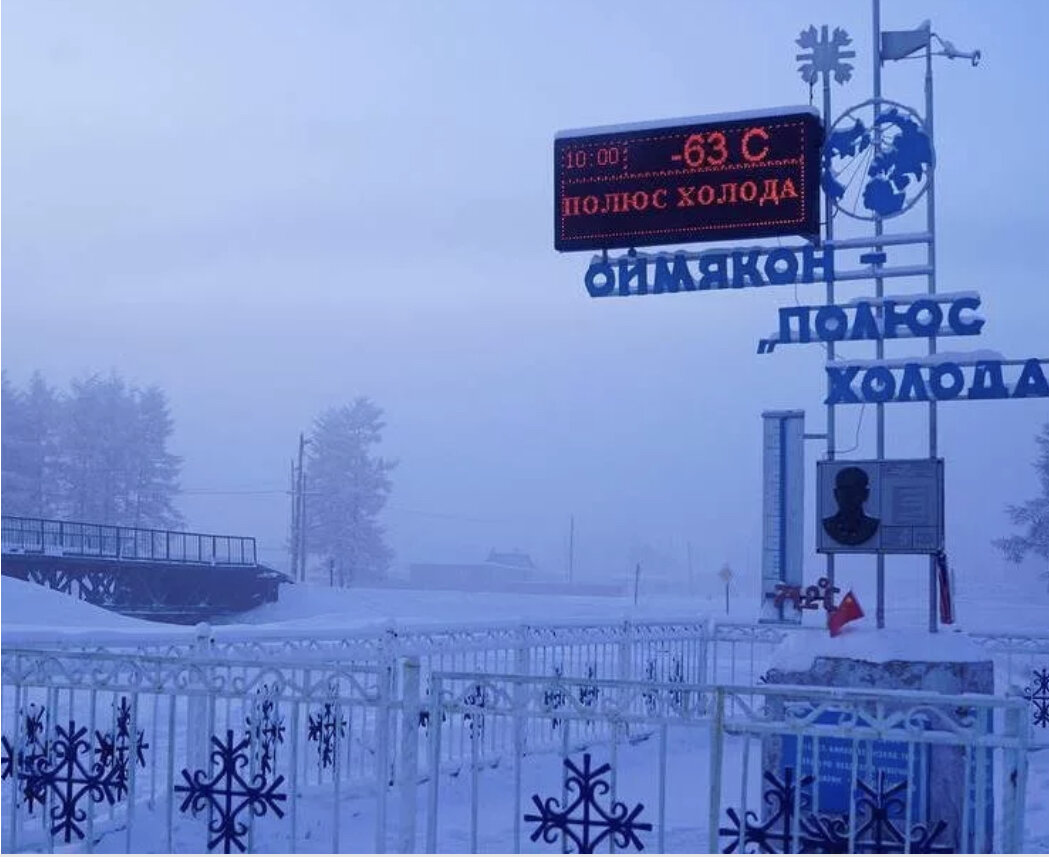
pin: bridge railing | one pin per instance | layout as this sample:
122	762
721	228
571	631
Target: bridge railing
60	537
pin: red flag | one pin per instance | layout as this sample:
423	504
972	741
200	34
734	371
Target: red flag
946	602
847	610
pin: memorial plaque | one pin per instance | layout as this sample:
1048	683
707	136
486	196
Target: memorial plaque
833	768
879	506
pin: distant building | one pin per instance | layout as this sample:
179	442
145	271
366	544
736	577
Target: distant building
497	571
516	559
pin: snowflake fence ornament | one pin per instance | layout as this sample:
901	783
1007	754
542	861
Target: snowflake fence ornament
115	747
475	697
554	698
66	774
228	794
1039	698
265	727
584	821
68	770
326	728
650	697
29	744
876	830
588	693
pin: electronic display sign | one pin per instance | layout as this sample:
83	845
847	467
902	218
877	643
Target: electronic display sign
708	178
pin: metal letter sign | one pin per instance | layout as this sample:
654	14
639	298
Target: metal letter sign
683	181
879	506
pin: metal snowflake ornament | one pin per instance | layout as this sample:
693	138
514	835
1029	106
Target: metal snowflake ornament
825	54
265	726
476	697
1039	698
228	794
62	774
115	750
326	728
876	832
773	833
584	821
8	761
33	744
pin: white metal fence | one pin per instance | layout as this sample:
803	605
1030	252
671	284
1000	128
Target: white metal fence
155	747
730	784
125	753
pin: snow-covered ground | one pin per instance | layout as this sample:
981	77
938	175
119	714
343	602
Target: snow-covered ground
31	613
32	610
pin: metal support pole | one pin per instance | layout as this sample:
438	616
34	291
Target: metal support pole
931	228
879	291
409	753
828	206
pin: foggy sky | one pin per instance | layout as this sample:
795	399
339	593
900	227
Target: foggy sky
270	208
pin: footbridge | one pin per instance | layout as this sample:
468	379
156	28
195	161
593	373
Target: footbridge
149	573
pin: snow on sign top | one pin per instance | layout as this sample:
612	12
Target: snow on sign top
729	176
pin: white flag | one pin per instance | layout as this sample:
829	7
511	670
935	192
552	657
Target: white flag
897	44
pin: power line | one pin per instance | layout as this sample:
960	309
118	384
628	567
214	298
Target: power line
412	511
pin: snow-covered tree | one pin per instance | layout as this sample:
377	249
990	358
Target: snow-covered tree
346	488
1034	514
152	471
30	451
115	464
98	453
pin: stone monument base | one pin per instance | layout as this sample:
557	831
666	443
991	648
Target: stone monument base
935	773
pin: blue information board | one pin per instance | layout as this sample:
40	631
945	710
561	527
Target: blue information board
833	770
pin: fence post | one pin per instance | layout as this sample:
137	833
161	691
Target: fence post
197	732
624	651
522	667
715	763
704	642
1017	729
409	752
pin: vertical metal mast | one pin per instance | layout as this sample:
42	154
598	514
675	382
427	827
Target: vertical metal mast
879	291
829	235
930	213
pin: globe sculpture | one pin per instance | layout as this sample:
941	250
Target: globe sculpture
876	160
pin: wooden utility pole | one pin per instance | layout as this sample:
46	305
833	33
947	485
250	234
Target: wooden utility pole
299	540
303	555
688	552
571	546
294	543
